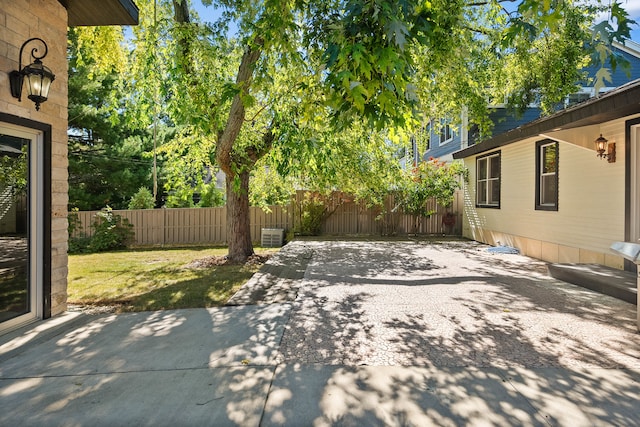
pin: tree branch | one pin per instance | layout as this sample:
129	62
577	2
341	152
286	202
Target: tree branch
244	78
255	153
256	114
484	3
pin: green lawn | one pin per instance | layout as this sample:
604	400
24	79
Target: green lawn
156	279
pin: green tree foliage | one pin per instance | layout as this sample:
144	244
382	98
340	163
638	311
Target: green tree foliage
186	166
143	199
325	88
108	158
518	52
269	188
13	172
211	196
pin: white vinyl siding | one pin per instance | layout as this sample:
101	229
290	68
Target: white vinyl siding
591	193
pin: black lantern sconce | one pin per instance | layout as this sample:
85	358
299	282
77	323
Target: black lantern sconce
37	76
606	149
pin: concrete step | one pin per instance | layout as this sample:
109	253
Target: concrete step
605	280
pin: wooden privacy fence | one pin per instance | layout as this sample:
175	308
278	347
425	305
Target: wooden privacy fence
178	226
347	217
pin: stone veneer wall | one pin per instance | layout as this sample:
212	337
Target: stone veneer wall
46	19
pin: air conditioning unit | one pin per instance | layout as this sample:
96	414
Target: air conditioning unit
272	237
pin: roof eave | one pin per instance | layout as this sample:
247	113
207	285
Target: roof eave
101	12
618	103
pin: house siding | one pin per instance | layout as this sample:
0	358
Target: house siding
443	151
504	120
591	201
618	76
46	19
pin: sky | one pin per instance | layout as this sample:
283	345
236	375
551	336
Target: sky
632	7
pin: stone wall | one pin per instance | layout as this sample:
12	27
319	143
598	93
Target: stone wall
46	19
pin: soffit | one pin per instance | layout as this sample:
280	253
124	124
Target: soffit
101	12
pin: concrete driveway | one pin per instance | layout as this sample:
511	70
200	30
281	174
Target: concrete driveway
345	333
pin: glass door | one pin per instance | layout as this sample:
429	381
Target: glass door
20	219
635	186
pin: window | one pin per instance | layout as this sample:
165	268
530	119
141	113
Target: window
547	175
445	133
488	181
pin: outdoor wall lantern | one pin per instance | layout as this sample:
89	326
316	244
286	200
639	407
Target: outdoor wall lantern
37	76
606	149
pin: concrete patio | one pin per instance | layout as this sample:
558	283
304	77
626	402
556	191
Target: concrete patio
343	333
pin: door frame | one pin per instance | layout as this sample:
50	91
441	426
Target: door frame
43	211
632	185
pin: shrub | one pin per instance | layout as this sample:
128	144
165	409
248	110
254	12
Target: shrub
143	199
431	179
180	198
110	231
310	214
210	196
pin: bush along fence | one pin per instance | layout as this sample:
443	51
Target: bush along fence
308	214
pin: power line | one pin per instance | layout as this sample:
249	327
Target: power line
108	157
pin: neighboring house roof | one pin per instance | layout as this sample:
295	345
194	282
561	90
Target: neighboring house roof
101	12
617	103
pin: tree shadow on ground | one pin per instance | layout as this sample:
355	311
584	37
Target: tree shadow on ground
167	288
186	367
511	346
326	332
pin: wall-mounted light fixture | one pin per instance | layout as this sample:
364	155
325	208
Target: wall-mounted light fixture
606	149
37	76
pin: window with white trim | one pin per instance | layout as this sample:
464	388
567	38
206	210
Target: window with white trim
488	181
445	132
547	175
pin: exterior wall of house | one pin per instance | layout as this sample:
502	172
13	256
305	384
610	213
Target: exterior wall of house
443	149
505	120
630	52
591	200
46	19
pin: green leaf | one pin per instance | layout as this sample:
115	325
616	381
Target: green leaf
602	75
397	31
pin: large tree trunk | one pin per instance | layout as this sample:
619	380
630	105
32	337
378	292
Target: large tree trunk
239	232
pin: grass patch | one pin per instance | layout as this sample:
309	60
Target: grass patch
156	279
